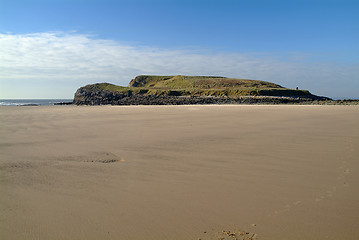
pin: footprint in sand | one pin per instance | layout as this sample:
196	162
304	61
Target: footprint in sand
351	147
286	208
329	194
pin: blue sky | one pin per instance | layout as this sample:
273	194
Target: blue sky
49	48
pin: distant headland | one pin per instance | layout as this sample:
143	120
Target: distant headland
180	90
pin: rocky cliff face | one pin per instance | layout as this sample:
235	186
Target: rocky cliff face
86	96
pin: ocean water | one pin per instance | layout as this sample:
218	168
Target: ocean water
31	102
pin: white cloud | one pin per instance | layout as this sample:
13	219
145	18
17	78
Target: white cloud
70	59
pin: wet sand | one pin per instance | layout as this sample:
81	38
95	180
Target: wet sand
179	172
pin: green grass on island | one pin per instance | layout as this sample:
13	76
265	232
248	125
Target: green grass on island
198	86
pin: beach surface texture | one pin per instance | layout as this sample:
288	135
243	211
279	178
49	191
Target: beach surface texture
179	172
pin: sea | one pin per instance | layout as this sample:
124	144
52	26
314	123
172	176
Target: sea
32	102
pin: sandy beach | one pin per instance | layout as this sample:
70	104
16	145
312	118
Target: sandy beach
179	172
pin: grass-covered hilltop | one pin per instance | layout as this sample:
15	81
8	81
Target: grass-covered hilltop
146	89
211	86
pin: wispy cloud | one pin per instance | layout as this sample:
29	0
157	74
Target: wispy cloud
74	59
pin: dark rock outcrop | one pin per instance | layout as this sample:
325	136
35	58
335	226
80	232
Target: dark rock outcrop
107	97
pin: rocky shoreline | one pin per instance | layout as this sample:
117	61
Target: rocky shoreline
110	98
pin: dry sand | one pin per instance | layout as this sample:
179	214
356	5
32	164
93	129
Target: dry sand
179	172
